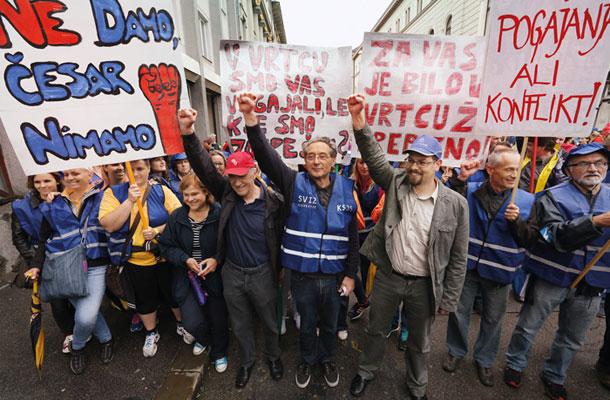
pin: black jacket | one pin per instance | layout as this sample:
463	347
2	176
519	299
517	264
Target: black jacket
176	244
220	187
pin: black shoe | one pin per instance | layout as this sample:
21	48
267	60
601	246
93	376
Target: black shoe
107	352
276	369
451	363
512	378
331	375
485	375
356	388
357	310
554	390
413	397
243	376
603	374
302	376
78	361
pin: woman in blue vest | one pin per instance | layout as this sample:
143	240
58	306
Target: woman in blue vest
25	225
189	243
148	272
64	218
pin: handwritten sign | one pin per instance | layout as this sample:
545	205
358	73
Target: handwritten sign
423	85
302	93
546	66
89	82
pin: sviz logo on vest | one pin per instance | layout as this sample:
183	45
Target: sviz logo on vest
344	207
308	200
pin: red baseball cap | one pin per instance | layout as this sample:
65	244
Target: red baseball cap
239	163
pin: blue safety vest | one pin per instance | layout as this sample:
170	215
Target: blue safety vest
157	215
492	251
29	217
68	228
315	239
368	202
561	268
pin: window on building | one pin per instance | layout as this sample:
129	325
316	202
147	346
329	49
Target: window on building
408	16
448	25
419	6
398	25
431	32
243	25
206	36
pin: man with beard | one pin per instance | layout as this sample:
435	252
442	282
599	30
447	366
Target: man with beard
573	218
419	247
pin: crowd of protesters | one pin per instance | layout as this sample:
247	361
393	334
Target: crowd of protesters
219	239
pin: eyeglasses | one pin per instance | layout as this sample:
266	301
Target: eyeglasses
599	164
218	164
420	164
321	157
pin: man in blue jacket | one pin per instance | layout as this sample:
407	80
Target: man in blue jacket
320	242
493	259
573	219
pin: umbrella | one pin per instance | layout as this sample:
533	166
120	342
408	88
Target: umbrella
36	331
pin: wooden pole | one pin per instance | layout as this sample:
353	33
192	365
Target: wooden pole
523	151
595	259
132	181
533	177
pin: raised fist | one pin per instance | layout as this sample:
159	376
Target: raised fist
161	85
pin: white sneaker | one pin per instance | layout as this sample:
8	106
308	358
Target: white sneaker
297	320
198	349
342	335
150	344
65	348
187	337
283	330
221	365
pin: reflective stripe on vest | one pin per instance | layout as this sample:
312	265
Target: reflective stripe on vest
157	215
316	240
492	251
30	218
561	268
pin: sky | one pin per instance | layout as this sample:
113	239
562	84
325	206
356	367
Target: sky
330	23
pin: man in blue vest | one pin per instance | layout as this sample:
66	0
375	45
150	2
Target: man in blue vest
320	242
573	219
493	259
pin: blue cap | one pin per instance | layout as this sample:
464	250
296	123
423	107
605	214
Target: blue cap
179	156
427	146
584	150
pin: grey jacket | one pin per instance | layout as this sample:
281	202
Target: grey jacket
448	242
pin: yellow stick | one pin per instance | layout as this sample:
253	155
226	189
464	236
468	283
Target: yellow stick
523	150
132	181
595	259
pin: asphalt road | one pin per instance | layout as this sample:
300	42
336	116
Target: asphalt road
132	376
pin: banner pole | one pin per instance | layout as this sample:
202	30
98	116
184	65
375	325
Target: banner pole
595	259
132	181
523	151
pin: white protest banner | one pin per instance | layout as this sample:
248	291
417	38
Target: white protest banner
423	85
89	82
302	93
547	62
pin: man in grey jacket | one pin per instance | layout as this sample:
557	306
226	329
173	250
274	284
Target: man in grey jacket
419	247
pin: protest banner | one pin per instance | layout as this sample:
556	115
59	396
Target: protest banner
302	92
545	68
89	82
423	85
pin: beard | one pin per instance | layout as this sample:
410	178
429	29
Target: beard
590	181
414	178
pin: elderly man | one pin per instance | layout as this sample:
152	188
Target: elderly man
419	247
320	243
493	259
573	218
248	241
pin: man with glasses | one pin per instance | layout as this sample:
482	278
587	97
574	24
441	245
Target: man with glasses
419	246
320	242
572	221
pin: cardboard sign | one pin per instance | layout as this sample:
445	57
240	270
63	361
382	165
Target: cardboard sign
302	92
90	82
546	65
423	85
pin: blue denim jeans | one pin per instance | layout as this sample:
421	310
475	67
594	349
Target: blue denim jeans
495	299
88	318
576	314
317	301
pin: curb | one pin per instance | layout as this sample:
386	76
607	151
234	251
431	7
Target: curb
185	375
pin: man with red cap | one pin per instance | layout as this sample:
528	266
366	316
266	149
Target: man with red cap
249	235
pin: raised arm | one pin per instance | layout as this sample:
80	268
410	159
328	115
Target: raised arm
381	172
